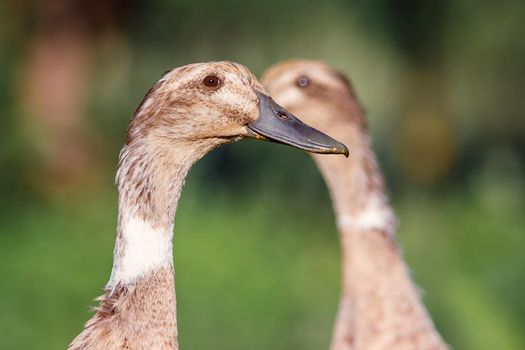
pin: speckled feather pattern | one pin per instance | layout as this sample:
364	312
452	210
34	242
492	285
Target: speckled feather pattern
380	306
139	317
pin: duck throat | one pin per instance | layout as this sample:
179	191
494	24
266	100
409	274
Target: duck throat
149	184
357	188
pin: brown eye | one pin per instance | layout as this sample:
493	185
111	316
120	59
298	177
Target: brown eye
211	81
303	81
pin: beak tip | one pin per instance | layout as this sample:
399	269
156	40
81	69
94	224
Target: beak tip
342	149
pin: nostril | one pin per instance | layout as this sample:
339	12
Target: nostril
282	116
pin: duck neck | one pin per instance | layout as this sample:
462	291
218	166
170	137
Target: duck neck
141	289
149	184
380	307
357	187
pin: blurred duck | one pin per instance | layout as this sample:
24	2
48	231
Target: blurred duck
380	307
188	112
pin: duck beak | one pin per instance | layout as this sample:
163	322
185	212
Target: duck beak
276	124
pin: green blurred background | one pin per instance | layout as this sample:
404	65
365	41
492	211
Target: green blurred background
256	249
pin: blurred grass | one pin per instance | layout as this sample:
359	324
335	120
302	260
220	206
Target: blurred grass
261	270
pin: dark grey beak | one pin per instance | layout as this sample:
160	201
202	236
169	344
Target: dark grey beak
276	124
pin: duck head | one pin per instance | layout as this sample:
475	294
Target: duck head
212	103
317	93
324	98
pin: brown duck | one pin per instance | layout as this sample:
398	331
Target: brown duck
380	307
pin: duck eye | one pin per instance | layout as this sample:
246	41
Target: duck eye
211	81
303	81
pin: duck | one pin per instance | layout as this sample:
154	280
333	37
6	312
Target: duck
190	111
380	306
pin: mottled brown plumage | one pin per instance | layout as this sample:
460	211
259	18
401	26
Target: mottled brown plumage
134	316
182	117
380	307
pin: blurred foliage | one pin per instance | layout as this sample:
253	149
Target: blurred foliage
255	246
